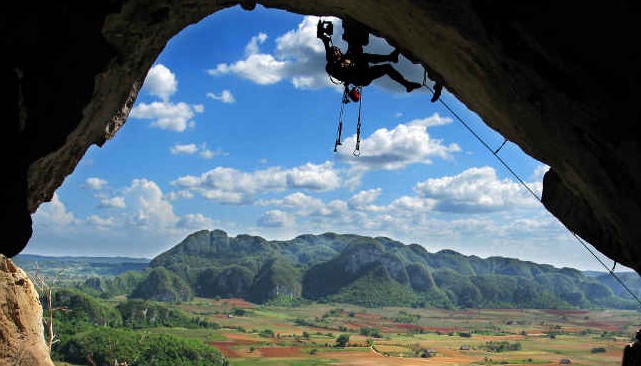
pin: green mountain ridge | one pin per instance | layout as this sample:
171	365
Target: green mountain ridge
375	271
370	271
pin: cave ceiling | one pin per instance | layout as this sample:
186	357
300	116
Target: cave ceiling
557	80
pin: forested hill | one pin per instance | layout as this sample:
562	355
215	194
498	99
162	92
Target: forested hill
367	271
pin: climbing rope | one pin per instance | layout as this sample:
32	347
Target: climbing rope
496	155
345	100
500	147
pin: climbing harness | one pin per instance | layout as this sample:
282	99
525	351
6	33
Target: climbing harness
353	94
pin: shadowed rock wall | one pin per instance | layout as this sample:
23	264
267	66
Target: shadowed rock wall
558	80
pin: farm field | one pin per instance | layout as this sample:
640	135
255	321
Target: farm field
252	334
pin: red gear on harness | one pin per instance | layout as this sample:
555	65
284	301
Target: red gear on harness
354	94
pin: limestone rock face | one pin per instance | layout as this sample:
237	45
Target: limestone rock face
22	341
566	92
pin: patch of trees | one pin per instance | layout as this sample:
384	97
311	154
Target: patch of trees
138	313
501	346
370	332
80	319
342	340
105	346
163	285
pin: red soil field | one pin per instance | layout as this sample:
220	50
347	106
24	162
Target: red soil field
413	327
279	351
603	326
228	347
225	349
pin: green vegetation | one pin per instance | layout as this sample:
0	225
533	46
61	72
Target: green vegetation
106	346
342	340
163	285
138	313
365	271
144	332
319	298
84	325
370	332
354	269
501	346
76	307
316	298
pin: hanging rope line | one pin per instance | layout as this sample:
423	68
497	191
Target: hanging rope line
611	271
355	94
500	147
344	101
495	153
357	150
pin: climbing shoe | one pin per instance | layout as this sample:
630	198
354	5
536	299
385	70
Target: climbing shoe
438	87
411	86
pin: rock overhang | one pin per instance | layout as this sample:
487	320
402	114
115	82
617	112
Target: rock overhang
563	91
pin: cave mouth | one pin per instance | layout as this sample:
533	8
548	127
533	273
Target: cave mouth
193	138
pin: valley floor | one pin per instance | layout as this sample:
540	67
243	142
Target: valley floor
307	335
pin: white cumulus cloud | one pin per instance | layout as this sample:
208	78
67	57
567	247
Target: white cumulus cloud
184	149
202	150
149	208
225	96
166	115
300	203
252	47
95	183
113	202
262	69
276	218
396	148
54	214
206	153
196	222
232	186
363	200
476	190
160	82
298	57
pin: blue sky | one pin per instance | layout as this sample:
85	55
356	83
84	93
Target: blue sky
234	129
